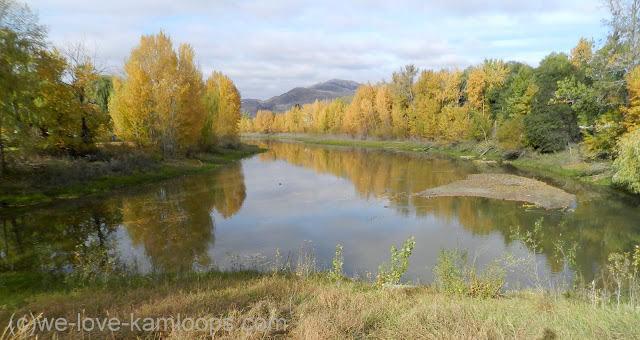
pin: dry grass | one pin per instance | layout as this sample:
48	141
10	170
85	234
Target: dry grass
316	308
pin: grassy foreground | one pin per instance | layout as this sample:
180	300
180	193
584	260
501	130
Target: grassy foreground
316	307
46	178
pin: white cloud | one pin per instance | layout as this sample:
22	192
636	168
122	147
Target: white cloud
268	47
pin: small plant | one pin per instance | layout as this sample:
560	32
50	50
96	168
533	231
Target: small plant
488	283
567	250
624	270
276	264
306	260
450	271
454	275
235	261
531	241
399	264
338	261
93	264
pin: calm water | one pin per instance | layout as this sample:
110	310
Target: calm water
297	193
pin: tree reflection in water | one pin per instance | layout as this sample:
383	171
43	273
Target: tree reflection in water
600	226
173	223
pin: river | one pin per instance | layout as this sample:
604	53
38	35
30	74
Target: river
299	198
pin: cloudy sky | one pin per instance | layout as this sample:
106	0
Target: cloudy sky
270	46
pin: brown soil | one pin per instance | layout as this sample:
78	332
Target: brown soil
505	187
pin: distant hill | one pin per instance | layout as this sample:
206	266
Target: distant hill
302	95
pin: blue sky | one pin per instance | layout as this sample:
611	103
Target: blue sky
269	47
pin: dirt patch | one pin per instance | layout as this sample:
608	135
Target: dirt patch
505	187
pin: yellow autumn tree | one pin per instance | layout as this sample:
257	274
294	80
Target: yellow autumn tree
427	104
484	78
361	117
263	122
335	115
246	124
632	113
582	53
476	85
222	103
190	98
278	123
83	77
159	101
293	120
383	107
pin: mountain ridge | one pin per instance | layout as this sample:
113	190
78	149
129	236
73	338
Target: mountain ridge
328	90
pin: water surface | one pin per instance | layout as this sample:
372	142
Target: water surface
296	193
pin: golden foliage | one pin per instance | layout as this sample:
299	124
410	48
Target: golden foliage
582	53
632	113
159	102
222	100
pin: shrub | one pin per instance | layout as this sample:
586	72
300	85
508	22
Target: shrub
454	275
399	264
338	261
450	271
511	133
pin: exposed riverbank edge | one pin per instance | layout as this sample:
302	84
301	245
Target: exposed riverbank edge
166	169
504	187
579	175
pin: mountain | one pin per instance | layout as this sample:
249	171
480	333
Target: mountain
331	89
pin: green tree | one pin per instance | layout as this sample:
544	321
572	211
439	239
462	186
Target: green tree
103	89
551	127
21	37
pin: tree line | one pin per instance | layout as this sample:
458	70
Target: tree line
566	99
57	101
589	96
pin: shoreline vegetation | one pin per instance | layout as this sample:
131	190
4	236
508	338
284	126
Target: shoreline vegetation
46	179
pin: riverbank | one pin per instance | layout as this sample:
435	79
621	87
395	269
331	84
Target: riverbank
571	169
318	307
44	179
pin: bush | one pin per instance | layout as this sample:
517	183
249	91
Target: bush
627	165
450	271
511	133
399	264
454	275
